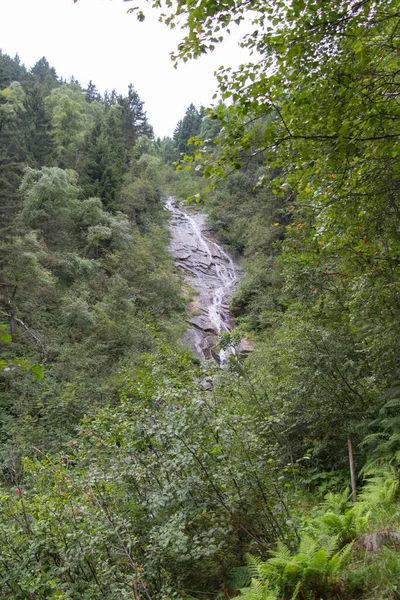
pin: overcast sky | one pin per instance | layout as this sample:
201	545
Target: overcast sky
98	40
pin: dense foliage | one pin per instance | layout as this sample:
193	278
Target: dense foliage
86	279
131	471
307	152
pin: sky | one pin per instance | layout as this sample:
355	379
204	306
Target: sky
97	40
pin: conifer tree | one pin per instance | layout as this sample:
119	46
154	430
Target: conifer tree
46	75
187	128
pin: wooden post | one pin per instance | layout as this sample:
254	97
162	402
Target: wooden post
352	469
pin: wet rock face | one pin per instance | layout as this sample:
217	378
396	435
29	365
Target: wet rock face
211	273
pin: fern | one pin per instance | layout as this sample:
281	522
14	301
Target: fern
339	560
253	564
262	587
375	506
307	546
385	444
313	568
314	571
238	578
347	526
381	489
259	591
338	502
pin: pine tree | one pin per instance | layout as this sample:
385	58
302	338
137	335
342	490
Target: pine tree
104	161
38	128
92	94
11	70
188	127
46	75
133	119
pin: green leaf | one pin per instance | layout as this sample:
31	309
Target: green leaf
38	371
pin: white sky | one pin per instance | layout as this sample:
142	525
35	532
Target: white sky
98	40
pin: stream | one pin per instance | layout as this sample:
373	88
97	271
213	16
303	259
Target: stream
211	273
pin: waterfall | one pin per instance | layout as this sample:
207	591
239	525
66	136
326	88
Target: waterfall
211	273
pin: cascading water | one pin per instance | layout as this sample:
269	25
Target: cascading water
211	272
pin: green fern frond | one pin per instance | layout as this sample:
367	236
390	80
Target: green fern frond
259	589
333	522
308	546
263	571
380	490
339	560
313	566
296	591
394	403
260	593
385	444
238	578
319	560
393	392
292	571
337	503
392	423
282	550
331	544
253	563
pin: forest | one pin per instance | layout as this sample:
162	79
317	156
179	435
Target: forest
124	476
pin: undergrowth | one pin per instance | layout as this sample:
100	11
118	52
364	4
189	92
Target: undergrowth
346	551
